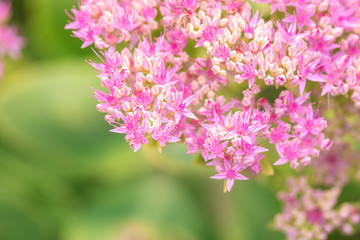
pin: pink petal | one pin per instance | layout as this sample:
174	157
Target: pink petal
240	177
229	184
219	176
190	115
302	86
137	147
281	161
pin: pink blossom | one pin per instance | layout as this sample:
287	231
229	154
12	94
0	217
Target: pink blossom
10	43
180	106
161	89
290	151
164	134
307	73
230	173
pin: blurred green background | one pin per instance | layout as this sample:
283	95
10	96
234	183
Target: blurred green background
63	175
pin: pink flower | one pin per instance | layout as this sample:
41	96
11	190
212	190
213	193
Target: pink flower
251	25
208	34
309	124
288	32
221	51
165	76
250	149
163	134
307	73
124	18
290	151
248	71
10	43
280	133
181	105
244	127
230	173
303	15
214	146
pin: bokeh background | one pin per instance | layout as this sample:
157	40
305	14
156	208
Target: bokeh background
63	175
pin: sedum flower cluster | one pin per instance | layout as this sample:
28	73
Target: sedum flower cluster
235	84
195	71
311	213
10	43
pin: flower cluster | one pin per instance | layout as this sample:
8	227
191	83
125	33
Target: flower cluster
310	213
331	29
212	96
10	42
341	164
106	23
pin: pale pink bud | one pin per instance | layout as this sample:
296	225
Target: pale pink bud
229	123
215	61
255	89
323	6
269	80
146	64
347	229
222	73
292	51
285	61
100	107
355	218
279	111
265	65
294	164
326	144
155	90
343	88
290	75
355	97
239	58
237	33
238	79
230	66
169	97
269	57
237	17
223	22
216	69
261	74
233	54
248	160
140	77
248	56
139	86
273	67
292	66
226	34
277	46
195	21
184	56
109	119
254	46
280	80
301	44
211	94
231	26
305	161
